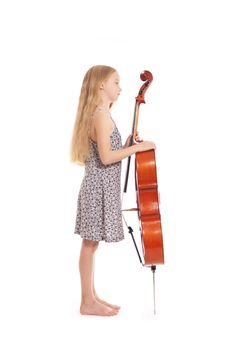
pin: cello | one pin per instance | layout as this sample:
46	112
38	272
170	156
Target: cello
147	195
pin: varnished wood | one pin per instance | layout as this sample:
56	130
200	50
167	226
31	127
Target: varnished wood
147	192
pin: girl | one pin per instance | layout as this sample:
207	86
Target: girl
96	143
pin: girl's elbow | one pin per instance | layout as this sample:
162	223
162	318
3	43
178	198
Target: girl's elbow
104	160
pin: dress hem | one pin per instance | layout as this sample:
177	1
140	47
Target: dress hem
99	240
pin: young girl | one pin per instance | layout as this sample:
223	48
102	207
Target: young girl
96	143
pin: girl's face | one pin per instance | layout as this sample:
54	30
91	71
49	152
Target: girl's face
111	87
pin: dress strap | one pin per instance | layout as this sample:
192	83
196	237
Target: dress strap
113	121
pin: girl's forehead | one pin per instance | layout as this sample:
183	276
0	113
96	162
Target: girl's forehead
115	75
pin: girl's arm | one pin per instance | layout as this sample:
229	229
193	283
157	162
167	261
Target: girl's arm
118	155
108	156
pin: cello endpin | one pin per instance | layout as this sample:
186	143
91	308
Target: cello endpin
153	268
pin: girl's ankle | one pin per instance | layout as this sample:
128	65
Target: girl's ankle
88	300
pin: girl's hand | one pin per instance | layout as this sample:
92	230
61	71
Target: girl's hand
137	140
145	146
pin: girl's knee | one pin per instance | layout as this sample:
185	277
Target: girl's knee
90	244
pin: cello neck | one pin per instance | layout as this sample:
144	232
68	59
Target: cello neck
135	122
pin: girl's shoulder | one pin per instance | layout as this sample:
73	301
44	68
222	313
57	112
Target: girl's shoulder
100	118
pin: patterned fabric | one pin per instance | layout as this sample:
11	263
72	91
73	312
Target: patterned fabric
99	203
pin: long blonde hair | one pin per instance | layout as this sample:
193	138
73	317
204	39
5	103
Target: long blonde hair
88	100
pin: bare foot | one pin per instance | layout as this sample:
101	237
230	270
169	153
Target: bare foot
96	308
116	307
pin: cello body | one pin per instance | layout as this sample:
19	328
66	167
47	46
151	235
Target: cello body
148	207
147	194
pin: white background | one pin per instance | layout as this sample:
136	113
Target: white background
46	48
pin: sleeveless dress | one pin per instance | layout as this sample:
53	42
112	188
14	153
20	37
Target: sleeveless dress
99	216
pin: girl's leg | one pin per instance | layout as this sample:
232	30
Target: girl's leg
89	304
95	294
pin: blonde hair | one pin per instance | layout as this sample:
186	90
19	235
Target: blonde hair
88	100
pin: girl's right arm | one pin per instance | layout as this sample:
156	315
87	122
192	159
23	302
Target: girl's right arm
106	154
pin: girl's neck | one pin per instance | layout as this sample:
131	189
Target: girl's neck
104	108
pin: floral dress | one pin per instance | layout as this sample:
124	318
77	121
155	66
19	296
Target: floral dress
99	214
